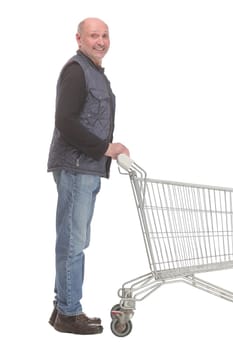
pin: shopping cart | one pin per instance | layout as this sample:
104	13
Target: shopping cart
187	229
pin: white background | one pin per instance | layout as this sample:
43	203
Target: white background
170	66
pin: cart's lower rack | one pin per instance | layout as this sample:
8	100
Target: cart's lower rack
140	287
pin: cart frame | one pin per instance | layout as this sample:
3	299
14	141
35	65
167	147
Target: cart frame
187	229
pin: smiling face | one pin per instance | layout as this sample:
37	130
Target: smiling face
93	39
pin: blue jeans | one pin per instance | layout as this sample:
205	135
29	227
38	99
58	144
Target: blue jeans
75	207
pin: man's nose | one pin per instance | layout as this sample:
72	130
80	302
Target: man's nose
100	41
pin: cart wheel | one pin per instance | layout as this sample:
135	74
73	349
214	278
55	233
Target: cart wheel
116	307
121	330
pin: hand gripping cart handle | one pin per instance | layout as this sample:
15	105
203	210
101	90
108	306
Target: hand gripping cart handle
187	229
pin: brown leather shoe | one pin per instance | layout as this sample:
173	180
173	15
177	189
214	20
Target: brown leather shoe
76	324
53	316
91	320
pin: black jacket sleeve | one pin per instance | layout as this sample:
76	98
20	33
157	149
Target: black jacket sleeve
69	104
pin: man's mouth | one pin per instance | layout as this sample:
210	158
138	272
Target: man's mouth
100	49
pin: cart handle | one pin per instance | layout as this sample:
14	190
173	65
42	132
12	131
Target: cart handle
124	161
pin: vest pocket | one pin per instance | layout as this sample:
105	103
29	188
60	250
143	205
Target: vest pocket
96	101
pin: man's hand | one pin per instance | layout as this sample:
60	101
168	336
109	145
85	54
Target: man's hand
114	149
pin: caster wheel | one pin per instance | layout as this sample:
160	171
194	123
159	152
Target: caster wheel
116	307
121	330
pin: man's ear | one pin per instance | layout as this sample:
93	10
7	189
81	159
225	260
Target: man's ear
78	38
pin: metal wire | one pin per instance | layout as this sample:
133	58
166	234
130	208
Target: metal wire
186	227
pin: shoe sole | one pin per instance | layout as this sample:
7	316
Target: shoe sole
63	330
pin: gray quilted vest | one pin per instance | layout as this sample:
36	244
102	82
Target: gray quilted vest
97	116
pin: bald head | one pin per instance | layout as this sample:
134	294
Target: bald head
91	21
93	39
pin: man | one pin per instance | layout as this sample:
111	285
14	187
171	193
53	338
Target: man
80	154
